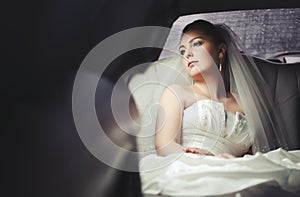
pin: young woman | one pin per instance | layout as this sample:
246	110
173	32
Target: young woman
226	110
223	114
202	118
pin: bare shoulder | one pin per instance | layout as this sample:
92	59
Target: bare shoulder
177	88
173	91
177	92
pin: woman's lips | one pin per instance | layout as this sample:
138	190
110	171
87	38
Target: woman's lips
192	63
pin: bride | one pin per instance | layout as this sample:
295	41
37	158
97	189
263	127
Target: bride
188	113
207	131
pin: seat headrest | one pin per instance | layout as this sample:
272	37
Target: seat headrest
284	82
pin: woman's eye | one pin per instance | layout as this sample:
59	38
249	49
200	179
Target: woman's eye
197	43
182	51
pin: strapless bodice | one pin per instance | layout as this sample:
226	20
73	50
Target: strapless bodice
206	125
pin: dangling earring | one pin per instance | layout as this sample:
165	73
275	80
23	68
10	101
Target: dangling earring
220	67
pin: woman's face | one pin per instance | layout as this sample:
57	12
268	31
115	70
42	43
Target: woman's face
199	53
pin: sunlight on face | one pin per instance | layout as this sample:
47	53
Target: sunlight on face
199	52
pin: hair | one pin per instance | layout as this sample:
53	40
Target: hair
215	33
206	28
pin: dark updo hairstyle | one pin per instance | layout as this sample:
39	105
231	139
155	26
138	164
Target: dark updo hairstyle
205	28
214	32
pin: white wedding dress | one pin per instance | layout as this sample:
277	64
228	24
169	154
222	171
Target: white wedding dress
208	126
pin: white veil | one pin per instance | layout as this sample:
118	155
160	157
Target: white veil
246	84
253	94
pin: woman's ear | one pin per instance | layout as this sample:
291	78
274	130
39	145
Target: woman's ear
222	50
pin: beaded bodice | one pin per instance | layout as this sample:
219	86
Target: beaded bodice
206	125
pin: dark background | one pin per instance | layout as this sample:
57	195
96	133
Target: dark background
44	43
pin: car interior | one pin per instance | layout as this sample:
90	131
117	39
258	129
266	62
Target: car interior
51	39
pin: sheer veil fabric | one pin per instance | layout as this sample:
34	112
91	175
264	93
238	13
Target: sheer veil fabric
250	90
242	79
191	174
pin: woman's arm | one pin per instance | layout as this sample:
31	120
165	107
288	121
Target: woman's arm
169	122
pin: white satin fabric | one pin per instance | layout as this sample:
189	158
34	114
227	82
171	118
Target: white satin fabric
206	125
193	175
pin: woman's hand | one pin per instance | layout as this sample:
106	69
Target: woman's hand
205	152
192	150
197	151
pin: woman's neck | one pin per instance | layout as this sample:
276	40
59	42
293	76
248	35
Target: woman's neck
201	88
211	88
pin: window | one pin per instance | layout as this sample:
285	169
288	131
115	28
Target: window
264	33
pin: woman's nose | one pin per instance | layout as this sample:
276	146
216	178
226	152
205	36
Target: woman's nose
189	54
